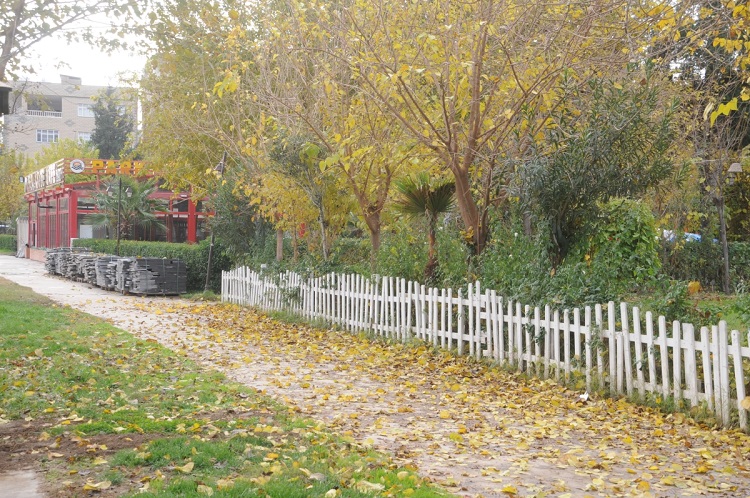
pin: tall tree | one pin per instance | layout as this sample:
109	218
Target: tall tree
11	189
476	83
113	124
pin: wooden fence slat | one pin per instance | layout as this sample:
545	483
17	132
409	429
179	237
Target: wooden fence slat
724	372
587	345
708	385
615	374
736	352
677	361
566	343
547	341
626	356
639	363
691	370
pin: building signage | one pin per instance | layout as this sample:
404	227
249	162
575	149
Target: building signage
77	166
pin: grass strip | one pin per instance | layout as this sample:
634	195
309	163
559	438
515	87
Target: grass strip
102	412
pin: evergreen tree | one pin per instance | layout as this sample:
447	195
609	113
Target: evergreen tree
113	125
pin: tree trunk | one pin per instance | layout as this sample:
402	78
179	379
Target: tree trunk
429	271
373	226
725	284
295	246
469	210
323	238
279	244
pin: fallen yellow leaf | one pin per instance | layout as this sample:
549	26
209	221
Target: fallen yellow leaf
205	490
186	469
510	490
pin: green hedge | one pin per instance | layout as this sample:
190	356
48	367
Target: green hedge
195	257
8	243
702	261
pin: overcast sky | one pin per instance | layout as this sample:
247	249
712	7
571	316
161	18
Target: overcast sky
53	57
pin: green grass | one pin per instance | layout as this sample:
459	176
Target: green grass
172	427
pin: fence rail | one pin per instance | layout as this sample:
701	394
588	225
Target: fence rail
611	347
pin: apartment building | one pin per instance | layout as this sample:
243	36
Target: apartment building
42	113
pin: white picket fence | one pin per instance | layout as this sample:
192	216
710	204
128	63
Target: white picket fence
615	348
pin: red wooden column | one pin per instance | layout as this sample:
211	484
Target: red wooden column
72	214
192	227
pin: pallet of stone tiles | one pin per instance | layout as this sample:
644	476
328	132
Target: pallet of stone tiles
158	276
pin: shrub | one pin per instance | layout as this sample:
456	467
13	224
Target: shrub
702	261
453	268
195	257
403	254
516	266
7	243
625	241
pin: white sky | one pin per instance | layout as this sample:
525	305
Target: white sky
53	56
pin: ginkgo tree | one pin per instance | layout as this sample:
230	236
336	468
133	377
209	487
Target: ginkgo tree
476	83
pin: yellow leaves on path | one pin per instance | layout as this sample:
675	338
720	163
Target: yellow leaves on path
470	428
99	486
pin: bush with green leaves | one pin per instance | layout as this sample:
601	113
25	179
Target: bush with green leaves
701	261
403	254
195	257
625	241
8	243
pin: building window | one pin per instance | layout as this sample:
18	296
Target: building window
83	136
46	136
85	110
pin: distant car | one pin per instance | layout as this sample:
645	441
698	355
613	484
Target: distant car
669	235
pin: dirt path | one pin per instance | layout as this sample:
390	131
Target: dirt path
475	430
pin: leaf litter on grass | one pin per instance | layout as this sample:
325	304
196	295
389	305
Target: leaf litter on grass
478	430
101	412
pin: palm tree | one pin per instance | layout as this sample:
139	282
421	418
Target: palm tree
136	207
421	197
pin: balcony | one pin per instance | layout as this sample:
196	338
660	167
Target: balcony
44	114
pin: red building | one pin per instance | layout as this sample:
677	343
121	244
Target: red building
60	196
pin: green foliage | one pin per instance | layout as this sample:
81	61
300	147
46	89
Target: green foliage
8	243
618	147
516	266
242	230
670	299
454	267
130	200
195	257
422	197
519	268
701	261
11	190
737	199
113	125
625	240
62	149
403	253
419	196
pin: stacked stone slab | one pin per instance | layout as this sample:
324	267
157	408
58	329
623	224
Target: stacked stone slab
106	272
144	276
158	276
